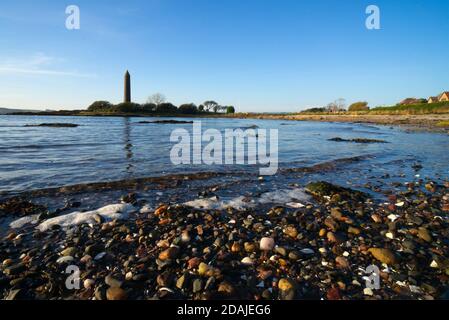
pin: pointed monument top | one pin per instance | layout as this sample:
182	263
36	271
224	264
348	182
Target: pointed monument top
127	72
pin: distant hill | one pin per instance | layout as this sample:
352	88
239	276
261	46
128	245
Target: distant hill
7	111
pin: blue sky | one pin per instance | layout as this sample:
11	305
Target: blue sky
259	55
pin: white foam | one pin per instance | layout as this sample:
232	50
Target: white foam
217	204
108	213
282	197
19	223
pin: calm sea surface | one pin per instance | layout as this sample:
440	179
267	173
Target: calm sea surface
108	149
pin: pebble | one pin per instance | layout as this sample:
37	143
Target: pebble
424	234
291	232
169	254
384	255
287	289
247	261
197	285
88	283
65	259
68	252
116	294
266	244
368	292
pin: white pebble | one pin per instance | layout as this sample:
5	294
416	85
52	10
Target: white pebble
368	292
247	261
88	283
267	244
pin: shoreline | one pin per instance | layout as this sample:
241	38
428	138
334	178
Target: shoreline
318	250
412	122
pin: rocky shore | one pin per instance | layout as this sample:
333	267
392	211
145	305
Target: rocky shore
318	249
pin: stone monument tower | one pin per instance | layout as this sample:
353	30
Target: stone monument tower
127	97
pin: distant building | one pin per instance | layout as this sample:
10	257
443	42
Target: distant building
444	97
409	101
127	95
433	100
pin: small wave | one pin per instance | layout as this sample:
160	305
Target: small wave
51	146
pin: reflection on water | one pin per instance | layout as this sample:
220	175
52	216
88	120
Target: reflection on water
128	145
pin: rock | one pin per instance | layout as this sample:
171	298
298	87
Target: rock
342	262
291	232
193	263
165	279
384	255
197	285
287	289
267	244
354	230
88	283
235	248
7	263
322	232
205	270
331	224
169	254
358	140
333	294
376	218
54	125
226	288
15	269
334	238
13	294
100	292
424	234
247	261
293	255
86	259
181	282
185	237
70	251
336	213
250	247
322	189
113	282
368	292
161	210
281	250
116	294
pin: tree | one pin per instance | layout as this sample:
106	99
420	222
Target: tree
359	106
157	99
188	108
100	106
230	110
315	110
336	106
200	108
128	107
210	105
149	107
166	108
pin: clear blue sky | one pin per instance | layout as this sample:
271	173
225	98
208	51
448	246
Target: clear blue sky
259	55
